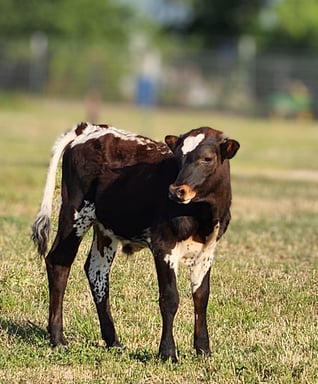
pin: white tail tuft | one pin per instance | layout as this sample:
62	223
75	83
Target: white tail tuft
41	226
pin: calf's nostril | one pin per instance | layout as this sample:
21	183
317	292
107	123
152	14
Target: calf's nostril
180	192
176	192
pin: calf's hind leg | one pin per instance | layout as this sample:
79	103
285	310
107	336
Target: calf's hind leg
97	268
72	227
58	265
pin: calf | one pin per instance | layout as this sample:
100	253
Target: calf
173	198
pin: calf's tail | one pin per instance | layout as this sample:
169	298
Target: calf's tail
41	226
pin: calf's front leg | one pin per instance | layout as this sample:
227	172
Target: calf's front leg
200	298
168	302
200	281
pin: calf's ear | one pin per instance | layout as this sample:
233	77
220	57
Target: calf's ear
228	148
171	141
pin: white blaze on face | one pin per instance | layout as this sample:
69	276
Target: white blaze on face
191	142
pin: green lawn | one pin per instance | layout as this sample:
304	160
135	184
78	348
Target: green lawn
263	309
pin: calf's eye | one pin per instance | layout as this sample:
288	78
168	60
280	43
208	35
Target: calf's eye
207	159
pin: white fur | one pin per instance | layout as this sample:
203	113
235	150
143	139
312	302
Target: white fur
57	151
84	218
185	252
197	256
96	131
100	264
191	142
203	262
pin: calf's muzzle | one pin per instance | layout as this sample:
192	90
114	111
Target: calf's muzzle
181	193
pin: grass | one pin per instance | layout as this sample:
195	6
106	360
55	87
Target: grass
263	309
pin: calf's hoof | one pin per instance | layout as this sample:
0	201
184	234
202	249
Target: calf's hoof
203	351
113	343
56	337
58	340
168	355
116	347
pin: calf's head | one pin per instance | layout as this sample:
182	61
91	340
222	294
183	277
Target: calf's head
202	155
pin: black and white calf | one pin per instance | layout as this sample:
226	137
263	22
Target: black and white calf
173	198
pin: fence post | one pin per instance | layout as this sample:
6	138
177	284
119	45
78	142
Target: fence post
246	70
38	62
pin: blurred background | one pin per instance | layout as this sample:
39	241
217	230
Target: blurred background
252	57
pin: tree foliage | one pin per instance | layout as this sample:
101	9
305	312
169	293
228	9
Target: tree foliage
218	21
297	24
287	23
219	18
280	23
68	19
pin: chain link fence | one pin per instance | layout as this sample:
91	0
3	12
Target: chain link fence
226	80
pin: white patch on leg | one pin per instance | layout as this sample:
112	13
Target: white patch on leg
185	252
197	256
84	218
204	260
100	264
191	142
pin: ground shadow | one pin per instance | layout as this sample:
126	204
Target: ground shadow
143	355
27	331
24	330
